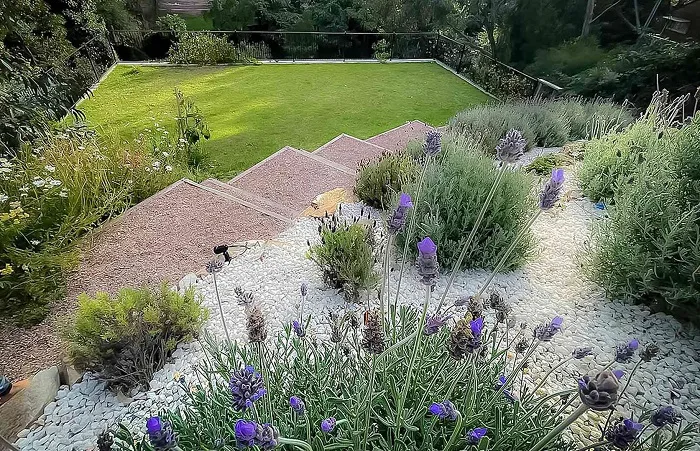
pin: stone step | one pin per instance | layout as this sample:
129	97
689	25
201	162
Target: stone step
349	151
249	197
398	138
293	178
168	235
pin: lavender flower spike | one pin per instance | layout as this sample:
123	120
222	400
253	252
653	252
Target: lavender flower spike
432	145
599	392
444	410
511	146
245	433
266	436
580	353
624	433
552	190
665	415
398	217
160	434
500	383
246	387
427	263
328	425
298	329
297	405
624	352
434	323
475	435
545	332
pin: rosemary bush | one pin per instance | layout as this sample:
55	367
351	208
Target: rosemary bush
346	256
378	181
128	337
205	49
544	164
455	186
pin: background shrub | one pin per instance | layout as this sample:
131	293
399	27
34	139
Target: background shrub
379	180
128	337
544	123
454	190
346	256
544	164
557	63
649	249
205	48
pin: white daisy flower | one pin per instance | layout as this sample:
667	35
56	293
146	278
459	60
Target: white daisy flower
55	183
24	189
63	193
168	168
50	168
35	242
3	198
39	183
166	154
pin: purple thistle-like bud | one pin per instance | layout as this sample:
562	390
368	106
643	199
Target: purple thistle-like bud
246	387
545	332
160	434
214	265
511	146
304	289
427	263
665	415
580	353
624	433
475	435
502	382
297	405
625	351
373	333
434	323
328	425
444	410
432	145
298	329
266	436
599	392
649	352
398	218
552	189
463	339
245	433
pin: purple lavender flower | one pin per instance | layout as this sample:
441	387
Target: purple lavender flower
665	415
245	433
266	436
552	190
477	326
328	425
298	329
624	433
297	405
246	387
160	434
304	289
625	351
475	435
444	410
398	218
545	332
434	323
427	263
580	353
511	146
432	145
502	382
619	374
599	392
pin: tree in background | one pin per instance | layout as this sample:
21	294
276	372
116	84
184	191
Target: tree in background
492	17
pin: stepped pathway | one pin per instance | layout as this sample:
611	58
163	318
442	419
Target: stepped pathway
349	151
173	232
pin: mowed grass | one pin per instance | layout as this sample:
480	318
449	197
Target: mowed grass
253	111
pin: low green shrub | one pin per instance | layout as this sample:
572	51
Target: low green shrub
567	59
378	181
204	49
544	123
171	22
128	337
382	51
53	192
454	189
649	249
544	164
346	256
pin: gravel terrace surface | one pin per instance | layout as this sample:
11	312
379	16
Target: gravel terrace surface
399	137
349	151
551	284
293	178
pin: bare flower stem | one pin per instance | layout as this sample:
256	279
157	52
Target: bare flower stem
554	433
507	253
549	373
470	238
619	396
294	442
455	433
411	227
416	347
369	400
385	284
221	309
514	374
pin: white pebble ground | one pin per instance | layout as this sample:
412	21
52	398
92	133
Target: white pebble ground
550	284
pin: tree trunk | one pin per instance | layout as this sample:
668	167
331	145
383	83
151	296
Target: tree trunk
492	41
588	18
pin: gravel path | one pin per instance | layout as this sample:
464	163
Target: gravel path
551	284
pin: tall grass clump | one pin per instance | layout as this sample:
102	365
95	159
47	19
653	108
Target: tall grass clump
543	123
379	181
649	248
454	188
53	192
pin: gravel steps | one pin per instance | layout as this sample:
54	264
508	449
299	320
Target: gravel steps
349	151
399	137
247	196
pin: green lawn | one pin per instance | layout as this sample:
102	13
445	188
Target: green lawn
253	111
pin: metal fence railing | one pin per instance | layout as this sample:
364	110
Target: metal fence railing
499	79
